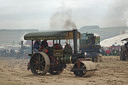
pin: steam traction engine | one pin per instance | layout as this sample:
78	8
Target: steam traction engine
54	59
124	51
90	46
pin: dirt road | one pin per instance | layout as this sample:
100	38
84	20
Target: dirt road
111	71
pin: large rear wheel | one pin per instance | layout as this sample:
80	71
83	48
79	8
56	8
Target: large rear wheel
39	63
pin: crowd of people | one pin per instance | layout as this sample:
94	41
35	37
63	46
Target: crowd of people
7	53
39	45
19	53
23	51
110	51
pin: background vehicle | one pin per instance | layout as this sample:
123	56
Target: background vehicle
124	51
90	46
54	59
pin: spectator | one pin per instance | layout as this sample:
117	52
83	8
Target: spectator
36	45
12	52
108	52
44	43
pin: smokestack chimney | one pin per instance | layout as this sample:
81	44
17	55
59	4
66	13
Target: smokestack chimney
21	44
75	40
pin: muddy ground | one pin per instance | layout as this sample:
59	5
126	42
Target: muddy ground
111	71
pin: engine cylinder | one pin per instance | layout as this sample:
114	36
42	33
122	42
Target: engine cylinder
66	59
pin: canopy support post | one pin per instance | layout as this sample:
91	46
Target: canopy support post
32	46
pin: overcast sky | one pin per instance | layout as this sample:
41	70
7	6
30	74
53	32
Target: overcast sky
37	14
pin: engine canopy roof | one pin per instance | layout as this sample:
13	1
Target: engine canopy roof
51	35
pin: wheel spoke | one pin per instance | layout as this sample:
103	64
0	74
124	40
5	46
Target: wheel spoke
34	64
42	67
36	57
42	61
39	58
34	60
36	67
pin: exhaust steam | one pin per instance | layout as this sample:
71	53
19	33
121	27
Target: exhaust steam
62	19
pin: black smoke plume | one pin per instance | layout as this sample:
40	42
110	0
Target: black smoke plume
62	19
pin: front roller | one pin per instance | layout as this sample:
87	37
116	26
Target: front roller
84	68
39	63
